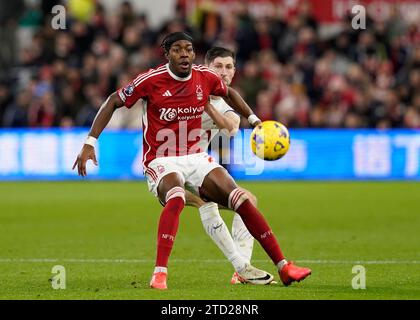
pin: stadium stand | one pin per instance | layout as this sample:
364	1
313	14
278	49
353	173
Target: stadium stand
286	68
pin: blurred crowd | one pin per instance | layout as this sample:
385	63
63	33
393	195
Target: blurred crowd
366	78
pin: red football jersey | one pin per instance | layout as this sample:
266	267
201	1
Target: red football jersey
172	108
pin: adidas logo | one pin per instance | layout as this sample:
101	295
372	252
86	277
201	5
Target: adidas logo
167	94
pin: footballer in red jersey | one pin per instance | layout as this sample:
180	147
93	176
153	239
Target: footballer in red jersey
176	116
172	103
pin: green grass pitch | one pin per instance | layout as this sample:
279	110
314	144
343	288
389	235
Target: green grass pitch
104	234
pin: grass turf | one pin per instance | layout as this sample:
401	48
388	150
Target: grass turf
88	226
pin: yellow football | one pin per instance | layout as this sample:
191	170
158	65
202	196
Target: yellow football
270	140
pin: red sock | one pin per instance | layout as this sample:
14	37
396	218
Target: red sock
168	227
260	230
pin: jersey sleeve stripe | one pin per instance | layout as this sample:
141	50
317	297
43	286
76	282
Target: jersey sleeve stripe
203	68
147	73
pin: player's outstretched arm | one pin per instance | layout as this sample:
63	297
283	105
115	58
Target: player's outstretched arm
227	122
101	120
235	100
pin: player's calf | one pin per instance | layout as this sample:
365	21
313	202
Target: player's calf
168	227
255	223
261	231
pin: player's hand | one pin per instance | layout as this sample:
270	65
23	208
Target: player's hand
87	153
210	109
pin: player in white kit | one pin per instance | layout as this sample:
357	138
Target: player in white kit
236	247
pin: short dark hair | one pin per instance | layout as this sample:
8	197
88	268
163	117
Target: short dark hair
215	52
174	37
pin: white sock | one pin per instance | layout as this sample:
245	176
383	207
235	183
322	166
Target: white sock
161	269
244	241
281	264
217	230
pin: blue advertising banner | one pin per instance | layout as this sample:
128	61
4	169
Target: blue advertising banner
338	154
314	154
50	154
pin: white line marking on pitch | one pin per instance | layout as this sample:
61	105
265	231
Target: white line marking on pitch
44	260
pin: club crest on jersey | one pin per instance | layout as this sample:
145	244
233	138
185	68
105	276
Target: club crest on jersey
167	114
199	92
128	90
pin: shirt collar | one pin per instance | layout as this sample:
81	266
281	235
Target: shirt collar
173	75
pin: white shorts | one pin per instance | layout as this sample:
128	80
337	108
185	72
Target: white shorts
192	169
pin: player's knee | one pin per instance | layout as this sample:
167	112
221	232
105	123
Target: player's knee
236	198
253	199
175	192
208	211
193	200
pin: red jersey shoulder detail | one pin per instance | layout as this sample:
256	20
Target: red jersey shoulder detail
149	72
217	85
139	87
172	109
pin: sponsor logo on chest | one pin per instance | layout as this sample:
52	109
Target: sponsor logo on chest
180	113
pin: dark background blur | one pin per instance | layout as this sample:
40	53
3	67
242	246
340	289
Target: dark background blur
295	63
